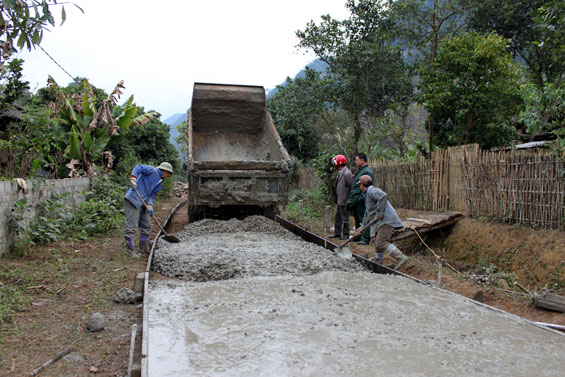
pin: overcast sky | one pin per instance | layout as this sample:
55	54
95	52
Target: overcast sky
160	48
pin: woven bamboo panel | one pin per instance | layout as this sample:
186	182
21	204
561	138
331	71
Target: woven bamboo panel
525	187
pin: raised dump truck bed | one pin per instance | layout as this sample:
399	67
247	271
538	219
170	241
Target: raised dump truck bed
236	161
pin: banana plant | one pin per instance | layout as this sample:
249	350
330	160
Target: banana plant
92	127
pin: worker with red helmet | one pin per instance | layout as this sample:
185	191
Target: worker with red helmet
342	187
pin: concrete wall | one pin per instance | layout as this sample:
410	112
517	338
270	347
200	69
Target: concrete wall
37	190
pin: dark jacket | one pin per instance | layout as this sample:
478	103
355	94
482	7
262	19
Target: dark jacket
356	196
342	186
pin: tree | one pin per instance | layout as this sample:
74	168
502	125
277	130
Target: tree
182	139
550	23
295	108
423	25
368	70
518	21
150	143
22	24
399	133
474	87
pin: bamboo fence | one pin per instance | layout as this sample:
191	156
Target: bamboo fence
518	187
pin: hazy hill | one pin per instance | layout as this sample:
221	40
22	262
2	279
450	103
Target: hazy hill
173	121
316	65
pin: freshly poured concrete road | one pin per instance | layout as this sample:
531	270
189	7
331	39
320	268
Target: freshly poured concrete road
340	322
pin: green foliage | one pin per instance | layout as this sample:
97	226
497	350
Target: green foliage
368	69
54	213
545	110
314	202
295	108
166	189
14	87
18	225
518	21
423	25
102	212
91	127
399	133
327	173
550	24
145	144
22	24
13	295
182	138
473	87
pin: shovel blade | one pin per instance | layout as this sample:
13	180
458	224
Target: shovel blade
171	239
343	252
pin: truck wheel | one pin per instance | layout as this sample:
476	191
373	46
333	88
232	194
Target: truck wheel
270	212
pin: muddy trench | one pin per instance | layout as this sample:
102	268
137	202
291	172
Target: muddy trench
250	298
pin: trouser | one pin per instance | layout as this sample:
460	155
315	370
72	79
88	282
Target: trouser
341	223
381	239
383	246
358	213
137	218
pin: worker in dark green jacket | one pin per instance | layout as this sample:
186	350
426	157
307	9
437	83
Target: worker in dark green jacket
355	202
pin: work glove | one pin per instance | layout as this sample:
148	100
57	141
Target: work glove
133	182
150	210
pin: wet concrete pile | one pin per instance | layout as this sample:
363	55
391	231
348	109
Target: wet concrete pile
256	246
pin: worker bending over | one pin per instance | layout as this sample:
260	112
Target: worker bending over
146	180
377	205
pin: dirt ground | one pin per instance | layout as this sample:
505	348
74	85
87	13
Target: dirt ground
69	281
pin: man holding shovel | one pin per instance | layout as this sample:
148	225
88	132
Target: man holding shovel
378	207
146	179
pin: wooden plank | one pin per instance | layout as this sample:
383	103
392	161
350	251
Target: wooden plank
407	233
549	301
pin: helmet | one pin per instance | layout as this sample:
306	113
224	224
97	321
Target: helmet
339	160
166	167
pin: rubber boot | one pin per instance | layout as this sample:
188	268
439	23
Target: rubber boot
394	252
144	244
379	258
130	245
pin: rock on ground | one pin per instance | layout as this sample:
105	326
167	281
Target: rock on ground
127	296
96	322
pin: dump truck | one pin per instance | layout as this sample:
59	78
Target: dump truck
237	164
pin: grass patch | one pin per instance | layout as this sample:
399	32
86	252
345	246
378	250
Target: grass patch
14	295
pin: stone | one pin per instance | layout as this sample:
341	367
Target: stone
127	296
479	296
96	322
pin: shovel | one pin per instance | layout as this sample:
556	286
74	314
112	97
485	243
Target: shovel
167	237
343	250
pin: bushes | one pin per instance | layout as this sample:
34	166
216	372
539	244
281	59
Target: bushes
102	212
313	201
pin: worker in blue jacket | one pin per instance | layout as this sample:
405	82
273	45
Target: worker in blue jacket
146	179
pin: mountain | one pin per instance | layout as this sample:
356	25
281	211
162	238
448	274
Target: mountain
316	65
173	121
